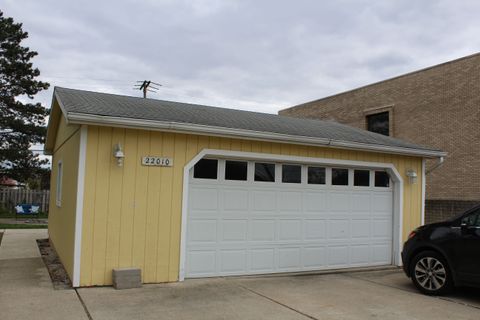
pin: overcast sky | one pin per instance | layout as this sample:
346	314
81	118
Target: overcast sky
253	55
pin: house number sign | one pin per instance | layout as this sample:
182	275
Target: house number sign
157	161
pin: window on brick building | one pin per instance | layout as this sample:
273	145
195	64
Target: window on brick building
379	123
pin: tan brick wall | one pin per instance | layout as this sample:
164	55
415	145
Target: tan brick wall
437	106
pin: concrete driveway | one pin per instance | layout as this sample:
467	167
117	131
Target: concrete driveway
385	294
26	292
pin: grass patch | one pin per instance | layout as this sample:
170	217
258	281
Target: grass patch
23	226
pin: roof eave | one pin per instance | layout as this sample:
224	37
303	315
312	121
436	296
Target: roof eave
57	109
189	128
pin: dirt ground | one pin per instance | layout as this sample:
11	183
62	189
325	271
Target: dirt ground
55	268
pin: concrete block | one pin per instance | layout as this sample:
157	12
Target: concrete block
126	278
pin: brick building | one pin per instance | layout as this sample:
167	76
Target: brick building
437	106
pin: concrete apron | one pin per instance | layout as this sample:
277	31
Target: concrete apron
26	291
384	294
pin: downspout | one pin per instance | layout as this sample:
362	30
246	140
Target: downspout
437	165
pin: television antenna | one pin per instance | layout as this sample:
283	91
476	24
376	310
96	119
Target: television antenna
147	85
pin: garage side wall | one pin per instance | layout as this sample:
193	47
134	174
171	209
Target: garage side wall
132	214
61	218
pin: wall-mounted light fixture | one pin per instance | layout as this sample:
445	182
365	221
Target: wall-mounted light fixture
412	176
118	154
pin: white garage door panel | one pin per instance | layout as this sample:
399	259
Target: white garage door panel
262	260
202	230
315	229
201	262
253	228
314	257
289	230
235	200
289	202
234	230
314	202
203	199
264	201
262	230
233	261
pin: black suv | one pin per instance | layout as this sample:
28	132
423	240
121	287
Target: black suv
442	255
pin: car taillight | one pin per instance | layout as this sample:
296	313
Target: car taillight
412	234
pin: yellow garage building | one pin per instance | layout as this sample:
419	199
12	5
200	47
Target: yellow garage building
187	191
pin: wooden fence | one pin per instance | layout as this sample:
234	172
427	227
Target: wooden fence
9	198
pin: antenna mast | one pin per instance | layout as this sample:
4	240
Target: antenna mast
147	85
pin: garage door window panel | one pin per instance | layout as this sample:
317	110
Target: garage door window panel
236	170
264	172
291	173
382	179
206	169
316	175
339	177
361	178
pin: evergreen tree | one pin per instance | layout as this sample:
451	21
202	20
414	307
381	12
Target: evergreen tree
21	123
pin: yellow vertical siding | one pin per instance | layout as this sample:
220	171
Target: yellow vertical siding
61	220
132	214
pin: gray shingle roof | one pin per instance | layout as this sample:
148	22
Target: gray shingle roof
103	104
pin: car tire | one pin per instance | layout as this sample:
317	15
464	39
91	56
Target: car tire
430	273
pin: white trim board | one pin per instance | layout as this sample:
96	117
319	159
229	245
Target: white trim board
394	174
79	208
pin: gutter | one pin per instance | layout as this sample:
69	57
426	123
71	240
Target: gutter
188	128
439	163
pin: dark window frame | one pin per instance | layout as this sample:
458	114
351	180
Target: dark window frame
379	127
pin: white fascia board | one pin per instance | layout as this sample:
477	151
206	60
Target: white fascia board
49	129
188	128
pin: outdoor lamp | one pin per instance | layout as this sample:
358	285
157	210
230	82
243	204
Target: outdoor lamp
412	176
118	154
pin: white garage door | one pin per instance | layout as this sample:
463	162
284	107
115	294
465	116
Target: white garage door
247	217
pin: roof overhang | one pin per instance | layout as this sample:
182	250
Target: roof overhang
57	110
189	128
